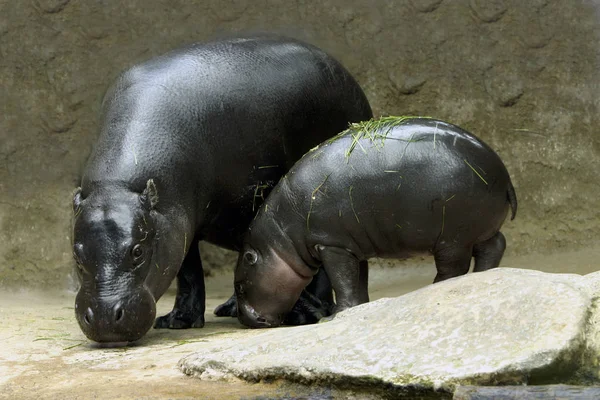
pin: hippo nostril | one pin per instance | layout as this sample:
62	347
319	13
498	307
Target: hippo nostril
88	317
119	313
261	320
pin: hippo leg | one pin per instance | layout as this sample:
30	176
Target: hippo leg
363	280
452	262
489	253
315	302
344	271
320	286
190	301
307	310
227	309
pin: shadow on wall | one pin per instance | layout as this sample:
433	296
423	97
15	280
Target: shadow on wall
523	76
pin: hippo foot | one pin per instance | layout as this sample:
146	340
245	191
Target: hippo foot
178	320
227	309
307	310
327	319
335	310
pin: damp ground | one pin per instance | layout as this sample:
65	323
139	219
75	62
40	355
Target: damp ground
44	355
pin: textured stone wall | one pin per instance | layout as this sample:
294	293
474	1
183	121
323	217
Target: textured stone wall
522	75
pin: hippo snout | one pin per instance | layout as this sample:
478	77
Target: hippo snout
115	319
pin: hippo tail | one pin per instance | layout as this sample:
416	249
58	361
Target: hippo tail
512	199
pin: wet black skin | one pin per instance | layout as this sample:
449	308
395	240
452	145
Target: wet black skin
190	144
417	192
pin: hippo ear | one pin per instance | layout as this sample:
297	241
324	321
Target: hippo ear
77	200
149	196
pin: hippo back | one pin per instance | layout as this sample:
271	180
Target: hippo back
216	124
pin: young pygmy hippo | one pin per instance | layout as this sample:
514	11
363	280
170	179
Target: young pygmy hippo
391	188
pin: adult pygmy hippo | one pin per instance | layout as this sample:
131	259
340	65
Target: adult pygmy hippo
390	188
190	143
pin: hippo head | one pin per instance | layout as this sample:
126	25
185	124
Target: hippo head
113	244
268	282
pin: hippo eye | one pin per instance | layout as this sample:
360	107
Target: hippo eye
136	253
251	257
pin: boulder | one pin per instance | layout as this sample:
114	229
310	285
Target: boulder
500	327
590	371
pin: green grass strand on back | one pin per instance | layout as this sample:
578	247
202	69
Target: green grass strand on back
376	130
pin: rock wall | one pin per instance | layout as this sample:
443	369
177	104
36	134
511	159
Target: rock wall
522	75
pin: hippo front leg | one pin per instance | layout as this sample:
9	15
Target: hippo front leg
315	302
190	301
348	276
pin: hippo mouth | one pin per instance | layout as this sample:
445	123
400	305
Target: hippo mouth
115	321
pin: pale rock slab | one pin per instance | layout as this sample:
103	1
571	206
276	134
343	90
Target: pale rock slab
591	359
503	326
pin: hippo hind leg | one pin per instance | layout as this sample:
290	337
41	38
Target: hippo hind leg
451	262
489	253
190	301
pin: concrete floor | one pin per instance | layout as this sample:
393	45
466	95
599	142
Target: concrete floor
44	355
